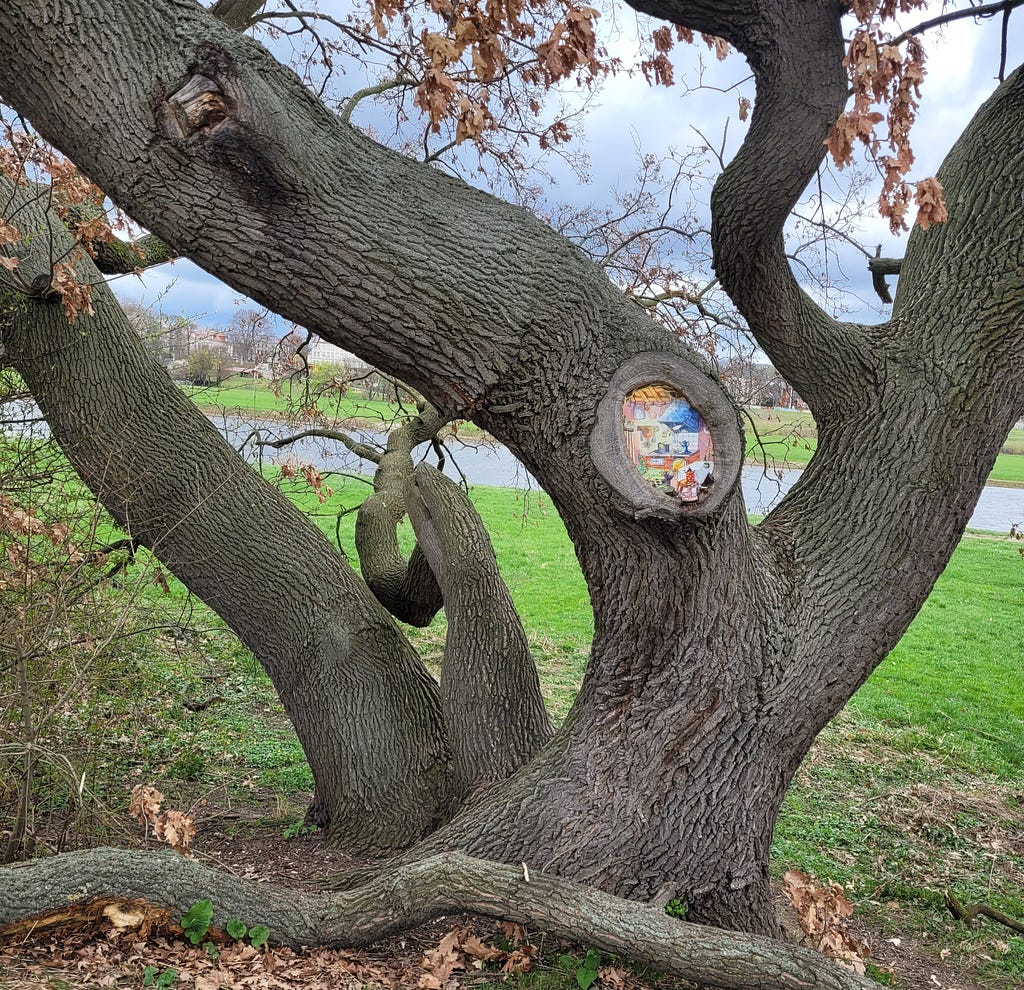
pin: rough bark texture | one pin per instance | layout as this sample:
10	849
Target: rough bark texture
696	709
406	588
174	485
408	896
490	692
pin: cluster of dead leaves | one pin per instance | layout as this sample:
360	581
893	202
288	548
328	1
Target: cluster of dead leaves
884	76
822	911
312	477
176	828
30	545
462	950
25	158
658	69
121	954
477	43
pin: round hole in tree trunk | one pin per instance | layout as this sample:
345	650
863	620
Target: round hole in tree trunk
667	438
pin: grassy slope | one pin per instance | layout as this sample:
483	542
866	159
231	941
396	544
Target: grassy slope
248	396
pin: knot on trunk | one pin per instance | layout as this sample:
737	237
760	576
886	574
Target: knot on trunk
198	105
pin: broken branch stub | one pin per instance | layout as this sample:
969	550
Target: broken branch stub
667	438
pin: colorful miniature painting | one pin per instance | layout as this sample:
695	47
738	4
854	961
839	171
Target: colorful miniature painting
669	442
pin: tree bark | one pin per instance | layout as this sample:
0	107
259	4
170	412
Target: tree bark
169	479
406	588
490	691
76	886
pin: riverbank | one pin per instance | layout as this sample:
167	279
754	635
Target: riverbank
777	439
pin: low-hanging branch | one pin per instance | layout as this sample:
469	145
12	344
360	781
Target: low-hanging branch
357	447
79	889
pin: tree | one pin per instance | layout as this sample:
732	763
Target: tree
207	366
696	709
251	334
153	330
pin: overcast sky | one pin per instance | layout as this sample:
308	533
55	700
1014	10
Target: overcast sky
963	61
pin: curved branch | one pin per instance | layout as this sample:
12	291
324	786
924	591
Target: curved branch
490	691
345	114
80	884
357	447
795	48
406	588
981	11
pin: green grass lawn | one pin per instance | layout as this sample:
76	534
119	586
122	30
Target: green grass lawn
914	788
789	437
245	396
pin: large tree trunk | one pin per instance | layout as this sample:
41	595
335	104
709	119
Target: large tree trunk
720	650
375	741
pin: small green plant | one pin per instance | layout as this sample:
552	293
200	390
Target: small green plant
676	908
258	936
153	976
188	766
298	828
196	925
236	929
586	969
196	921
879	975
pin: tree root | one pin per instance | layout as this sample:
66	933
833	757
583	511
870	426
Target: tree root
971	912
80	888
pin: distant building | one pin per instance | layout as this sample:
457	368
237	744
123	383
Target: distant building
319	352
753	384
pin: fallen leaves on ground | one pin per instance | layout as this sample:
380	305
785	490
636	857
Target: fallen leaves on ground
462	950
118	957
116	961
823	911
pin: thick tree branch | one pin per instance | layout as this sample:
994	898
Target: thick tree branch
402	898
238	14
119	257
951	380
222	151
490	691
885	266
176	486
795	48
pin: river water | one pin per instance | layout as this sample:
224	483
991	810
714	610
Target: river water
491	464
